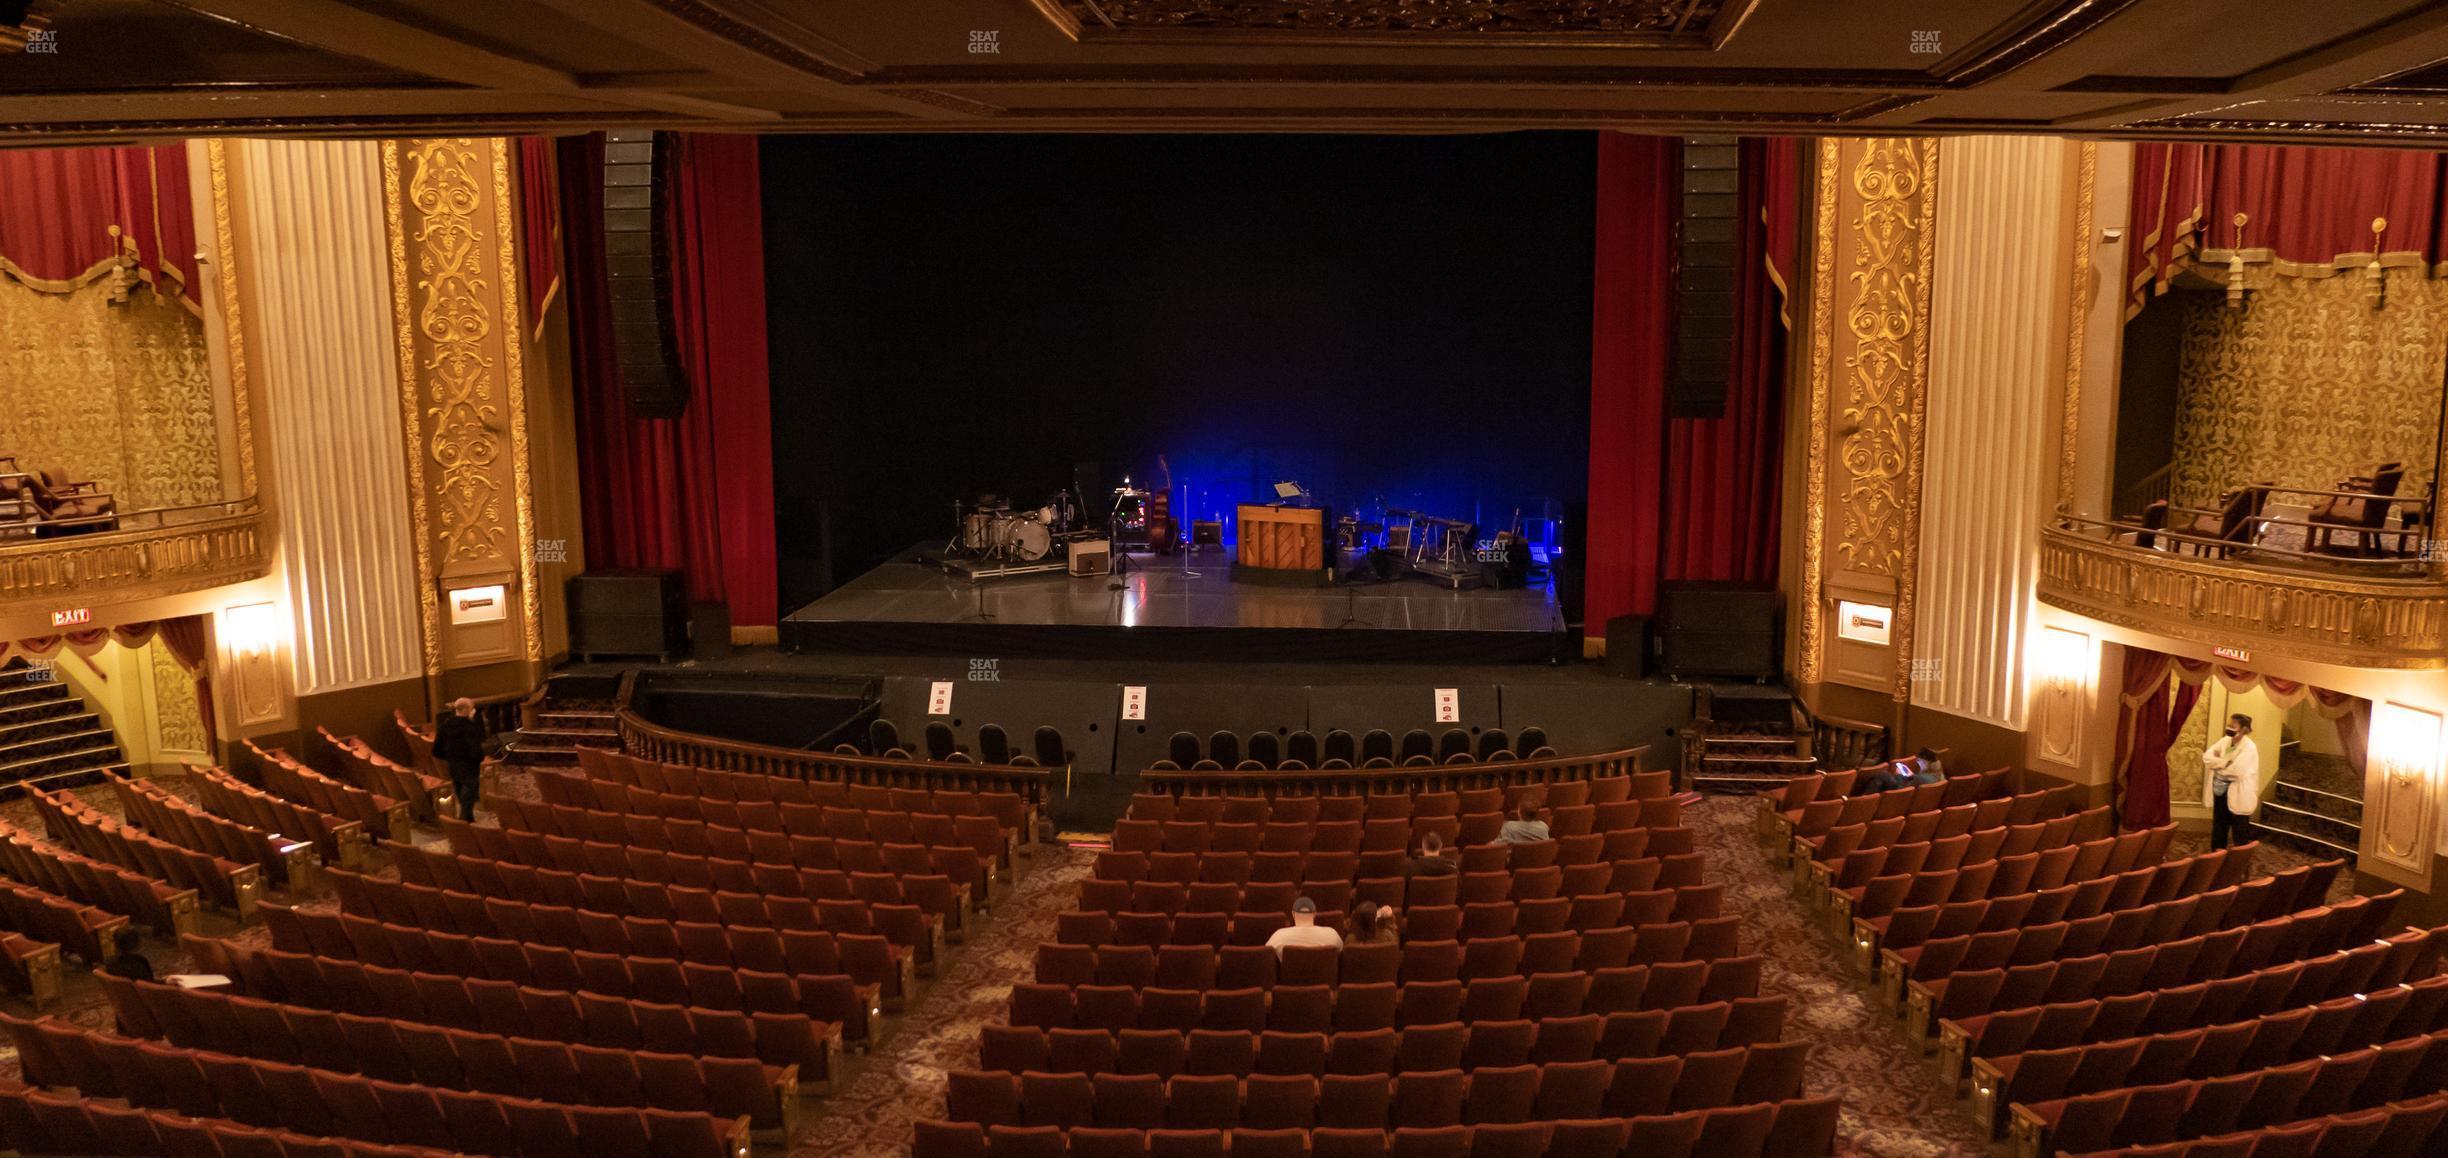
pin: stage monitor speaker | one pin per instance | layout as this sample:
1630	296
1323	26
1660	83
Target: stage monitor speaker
1092	557
1627	647
627	613
637	276
1705	243
1718	629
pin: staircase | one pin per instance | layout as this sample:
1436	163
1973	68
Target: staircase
48	737
1744	741
571	713
2315	805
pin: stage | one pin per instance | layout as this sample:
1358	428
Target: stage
1183	607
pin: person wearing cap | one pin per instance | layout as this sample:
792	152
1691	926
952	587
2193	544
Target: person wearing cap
1304	930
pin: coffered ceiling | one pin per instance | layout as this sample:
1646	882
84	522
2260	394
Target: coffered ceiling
2361	71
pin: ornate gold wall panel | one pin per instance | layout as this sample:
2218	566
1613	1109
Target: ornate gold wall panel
463	393
1869	373
2353	623
2306	381
120	394
130	565
177	721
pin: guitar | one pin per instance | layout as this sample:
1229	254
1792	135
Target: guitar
1162	537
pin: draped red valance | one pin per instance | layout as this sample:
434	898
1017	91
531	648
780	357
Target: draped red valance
69	217
2308	211
2153	712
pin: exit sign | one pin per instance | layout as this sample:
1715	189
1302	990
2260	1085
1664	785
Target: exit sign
2235	653
72	617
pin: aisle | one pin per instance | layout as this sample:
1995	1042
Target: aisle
1893	1104
903	1080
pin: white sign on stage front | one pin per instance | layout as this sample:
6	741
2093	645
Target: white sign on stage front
1134	702
939	698
1449	705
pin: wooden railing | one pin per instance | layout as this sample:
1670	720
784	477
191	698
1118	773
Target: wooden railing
644	738
2333	618
189	549
1839	743
1362	781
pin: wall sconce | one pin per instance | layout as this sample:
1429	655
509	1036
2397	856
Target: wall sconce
2403	761
253	628
2061	667
2235	264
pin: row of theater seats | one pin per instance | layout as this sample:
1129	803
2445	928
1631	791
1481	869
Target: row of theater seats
1614	1002
1824	795
1444	1045
1801	1128
429	797
1013	809
1418	1098
921	872
44	1123
72	823
1376	747
1551	963
170	817
64	873
1312	809
207	1084
1312	863
303	984
336	840
381	816
1387	835
2100	996
1906	909
603	811
1708	936
745	927
937	742
2413	1128
40	503
696	838
1123	891
459	1059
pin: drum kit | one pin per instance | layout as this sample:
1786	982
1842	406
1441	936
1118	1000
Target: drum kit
992	530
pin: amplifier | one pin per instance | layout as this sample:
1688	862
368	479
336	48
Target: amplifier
1092	557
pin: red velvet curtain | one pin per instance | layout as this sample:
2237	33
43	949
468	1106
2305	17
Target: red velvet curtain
2303	205
540	225
58	207
184	636
1722	474
2147	723
1632	312
693	493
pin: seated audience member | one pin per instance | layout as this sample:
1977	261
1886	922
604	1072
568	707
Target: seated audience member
125	960
1303	930
1371	925
1431	860
1927	768
1526	826
1885	777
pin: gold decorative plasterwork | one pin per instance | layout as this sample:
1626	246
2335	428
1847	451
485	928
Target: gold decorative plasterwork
2352	623
233	336
462	372
514	378
2306	383
429	599
117	393
126	566
1893	186
2078	317
1815	447
178	720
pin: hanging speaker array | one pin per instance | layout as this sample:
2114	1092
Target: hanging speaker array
637	269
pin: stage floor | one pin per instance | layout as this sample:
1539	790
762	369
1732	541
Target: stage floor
1185	607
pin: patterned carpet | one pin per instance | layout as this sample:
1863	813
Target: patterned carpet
1894	1104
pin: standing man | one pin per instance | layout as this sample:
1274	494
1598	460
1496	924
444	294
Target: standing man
2231	782
459	743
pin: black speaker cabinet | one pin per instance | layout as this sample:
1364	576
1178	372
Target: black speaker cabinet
637	275
1627	647
1705	246
709	631
1718	629
628	613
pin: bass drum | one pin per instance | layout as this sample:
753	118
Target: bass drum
1028	539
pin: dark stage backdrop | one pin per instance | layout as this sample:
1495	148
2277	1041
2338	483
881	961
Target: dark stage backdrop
1406	317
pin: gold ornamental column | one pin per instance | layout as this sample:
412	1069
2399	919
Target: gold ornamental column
1873	234
455	303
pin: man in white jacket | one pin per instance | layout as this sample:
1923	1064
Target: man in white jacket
2231	783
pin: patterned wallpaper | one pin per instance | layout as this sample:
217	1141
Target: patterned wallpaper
178	717
2308	380
120	394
